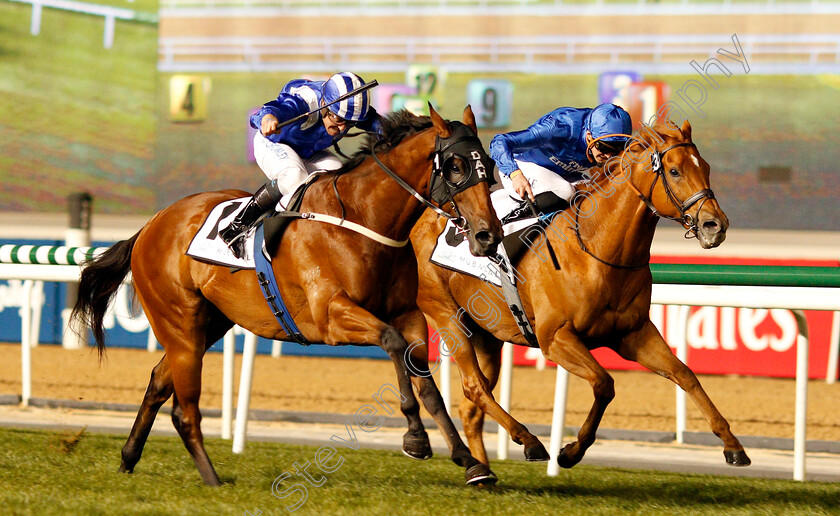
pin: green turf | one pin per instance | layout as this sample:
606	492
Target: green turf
49	473
74	115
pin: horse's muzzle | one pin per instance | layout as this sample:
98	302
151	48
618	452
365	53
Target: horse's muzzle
711	232
484	243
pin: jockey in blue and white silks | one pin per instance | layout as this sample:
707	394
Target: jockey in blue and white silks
289	154
552	153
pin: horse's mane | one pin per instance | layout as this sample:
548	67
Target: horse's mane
396	127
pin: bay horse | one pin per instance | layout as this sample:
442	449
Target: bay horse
339	286
587	284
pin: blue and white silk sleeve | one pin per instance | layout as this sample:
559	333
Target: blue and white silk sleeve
284	108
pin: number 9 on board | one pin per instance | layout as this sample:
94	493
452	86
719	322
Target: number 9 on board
491	101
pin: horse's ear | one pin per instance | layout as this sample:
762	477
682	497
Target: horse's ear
441	125
686	130
469	118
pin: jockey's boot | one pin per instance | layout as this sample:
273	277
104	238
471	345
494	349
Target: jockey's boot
262	202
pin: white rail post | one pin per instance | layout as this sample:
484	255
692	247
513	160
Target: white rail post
682	355
108	36
833	349
558	420
151	340
505	388
228	352
26	345
244	400
801	417
35	25
445	375
37	310
276	348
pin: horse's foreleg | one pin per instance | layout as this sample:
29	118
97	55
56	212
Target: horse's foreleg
488	353
413	327
569	352
159	390
648	348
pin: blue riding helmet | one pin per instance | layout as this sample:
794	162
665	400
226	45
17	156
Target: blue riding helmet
354	108
608	119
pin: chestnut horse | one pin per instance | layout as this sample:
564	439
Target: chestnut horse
339	286
584	288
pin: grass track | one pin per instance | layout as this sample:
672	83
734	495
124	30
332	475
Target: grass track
39	475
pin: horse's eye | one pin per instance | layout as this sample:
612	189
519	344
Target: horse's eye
674	173
456	170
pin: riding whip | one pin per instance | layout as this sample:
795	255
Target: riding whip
363	87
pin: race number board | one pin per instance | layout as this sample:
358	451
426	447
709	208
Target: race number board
428	80
646	98
188	98
614	87
382	96
491	101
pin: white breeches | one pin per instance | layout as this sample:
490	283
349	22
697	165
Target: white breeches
279	162
541	179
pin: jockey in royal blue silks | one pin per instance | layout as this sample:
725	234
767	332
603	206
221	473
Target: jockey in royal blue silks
555	151
289	154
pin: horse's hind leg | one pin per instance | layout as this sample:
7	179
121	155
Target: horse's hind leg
159	390
346	322
415	441
186	374
488	353
413	326
648	348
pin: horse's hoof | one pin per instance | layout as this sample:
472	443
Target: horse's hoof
480	475
536	453
418	448
563	459
737	458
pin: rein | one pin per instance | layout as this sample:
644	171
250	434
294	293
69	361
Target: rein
445	149
476	165
590	253
414	193
685	218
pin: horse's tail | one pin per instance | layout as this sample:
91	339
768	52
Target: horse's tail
100	280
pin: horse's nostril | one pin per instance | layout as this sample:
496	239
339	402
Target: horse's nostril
485	237
711	226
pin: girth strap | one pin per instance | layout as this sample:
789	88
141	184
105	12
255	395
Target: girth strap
512	298
268	285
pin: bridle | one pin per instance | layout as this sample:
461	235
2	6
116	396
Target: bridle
686	219
462	144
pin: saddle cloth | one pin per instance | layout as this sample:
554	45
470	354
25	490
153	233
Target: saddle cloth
207	246
452	250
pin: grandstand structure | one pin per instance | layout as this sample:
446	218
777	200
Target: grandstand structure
530	36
